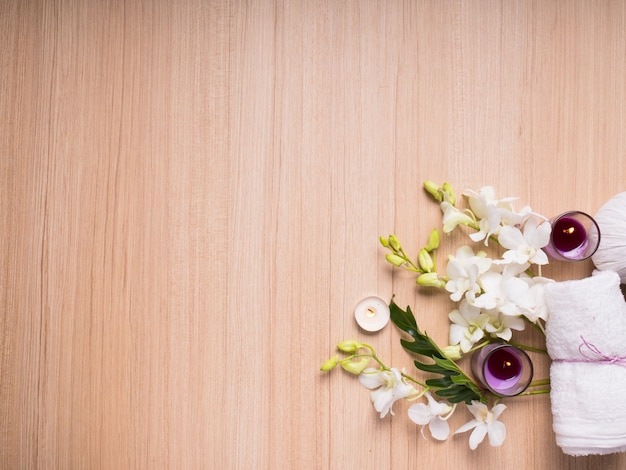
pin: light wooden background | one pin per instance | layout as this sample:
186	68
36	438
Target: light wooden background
191	195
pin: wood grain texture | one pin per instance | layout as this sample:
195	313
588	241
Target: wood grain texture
191	195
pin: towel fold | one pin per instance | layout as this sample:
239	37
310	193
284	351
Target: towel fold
586	339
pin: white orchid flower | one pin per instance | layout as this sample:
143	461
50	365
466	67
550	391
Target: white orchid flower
520	217
485	197
525	247
501	326
467	326
434	414
491	212
485	423
453	217
499	289
464	270
533	303
388	385
489	225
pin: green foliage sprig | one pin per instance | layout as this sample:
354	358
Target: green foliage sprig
453	385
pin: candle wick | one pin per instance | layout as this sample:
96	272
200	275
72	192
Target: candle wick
370	312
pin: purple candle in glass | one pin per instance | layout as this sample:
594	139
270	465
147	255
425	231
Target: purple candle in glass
502	369
575	236
568	234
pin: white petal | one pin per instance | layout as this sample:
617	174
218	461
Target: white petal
513	270
437	408
383	399
482	263
478	409
455	270
498	409
491	282
466	344
457	318
439	428
470	312
511	237
506	334
469	425
403	390
370	378
477	436
456	296
420	413
477	236
530	230
464	253
497	433
515	288
493	216
541	237
540	257
457	333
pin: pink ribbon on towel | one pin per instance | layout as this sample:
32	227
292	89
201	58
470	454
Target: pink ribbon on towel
601	358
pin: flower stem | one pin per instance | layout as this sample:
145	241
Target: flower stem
543	391
539	383
528	348
408	377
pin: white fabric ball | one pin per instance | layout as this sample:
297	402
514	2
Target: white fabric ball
611	254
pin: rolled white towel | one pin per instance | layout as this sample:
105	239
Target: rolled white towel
585	337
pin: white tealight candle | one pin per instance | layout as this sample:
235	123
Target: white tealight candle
372	313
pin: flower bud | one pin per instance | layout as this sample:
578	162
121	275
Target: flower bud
448	193
425	261
430	280
433	241
349	346
355	367
394	259
394	243
330	363
434	190
453	352
384	242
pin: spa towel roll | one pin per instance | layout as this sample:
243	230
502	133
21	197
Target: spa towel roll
586	339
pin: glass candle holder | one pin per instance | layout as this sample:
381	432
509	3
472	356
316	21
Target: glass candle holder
575	237
502	369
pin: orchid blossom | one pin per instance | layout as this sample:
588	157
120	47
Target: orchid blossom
434	414
453	217
463	272
490	212
468	325
500	289
485	423
533	303
525	247
500	326
388	386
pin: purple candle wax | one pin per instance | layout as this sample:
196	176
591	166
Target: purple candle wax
568	235
503	370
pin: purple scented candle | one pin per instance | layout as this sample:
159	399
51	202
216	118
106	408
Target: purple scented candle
502	369
568	235
575	236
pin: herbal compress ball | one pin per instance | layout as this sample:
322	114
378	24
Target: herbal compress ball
611	254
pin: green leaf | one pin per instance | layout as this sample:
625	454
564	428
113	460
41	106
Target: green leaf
453	385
